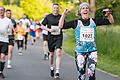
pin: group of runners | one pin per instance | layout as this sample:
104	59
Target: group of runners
52	26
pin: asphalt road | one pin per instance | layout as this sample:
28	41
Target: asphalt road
31	66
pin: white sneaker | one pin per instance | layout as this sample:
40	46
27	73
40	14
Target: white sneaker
20	53
9	66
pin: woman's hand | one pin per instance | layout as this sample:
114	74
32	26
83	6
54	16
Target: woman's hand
66	11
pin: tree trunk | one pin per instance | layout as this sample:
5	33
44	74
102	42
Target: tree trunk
92	6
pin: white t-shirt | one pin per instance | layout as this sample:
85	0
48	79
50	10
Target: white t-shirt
5	29
44	31
25	22
32	27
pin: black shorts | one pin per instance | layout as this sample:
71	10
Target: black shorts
4	48
11	40
45	37
54	42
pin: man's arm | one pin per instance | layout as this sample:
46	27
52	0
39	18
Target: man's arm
10	28
45	28
44	23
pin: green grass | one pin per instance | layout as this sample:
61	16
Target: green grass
69	42
108	45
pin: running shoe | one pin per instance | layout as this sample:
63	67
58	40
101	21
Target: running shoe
57	75
45	57
20	53
9	66
52	73
2	75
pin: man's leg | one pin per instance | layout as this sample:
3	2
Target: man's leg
58	61
51	58
4	51
26	37
2	65
10	51
45	49
51	47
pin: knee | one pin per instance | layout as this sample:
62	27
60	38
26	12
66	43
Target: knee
91	70
45	43
80	61
2	57
59	52
93	57
51	54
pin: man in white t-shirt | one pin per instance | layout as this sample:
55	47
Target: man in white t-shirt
25	25
5	29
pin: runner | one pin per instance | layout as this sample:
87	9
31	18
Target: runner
38	29
25	25
11	39
45	43
20	33
55	38
32	31
85	35
5	29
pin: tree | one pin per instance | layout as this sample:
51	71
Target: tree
37	8
6	2
92	6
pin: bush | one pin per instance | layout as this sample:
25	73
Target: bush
16	11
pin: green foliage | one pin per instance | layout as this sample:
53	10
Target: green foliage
109	37
37	8
69	42
1	3
6	2
57	1
64	5
108	48
113	4
16	11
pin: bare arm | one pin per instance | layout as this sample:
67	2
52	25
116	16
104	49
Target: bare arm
109	15
61	21
111	19
45	28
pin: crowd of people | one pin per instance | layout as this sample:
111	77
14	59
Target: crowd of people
16	31
51	26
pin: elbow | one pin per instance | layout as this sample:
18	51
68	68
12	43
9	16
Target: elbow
112	22
60	26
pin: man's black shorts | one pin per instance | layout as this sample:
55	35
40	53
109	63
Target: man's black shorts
11	40
54	42
45	37
3	47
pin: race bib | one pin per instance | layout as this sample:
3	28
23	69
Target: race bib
55	30
2	34
20	37
45	32
87	34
